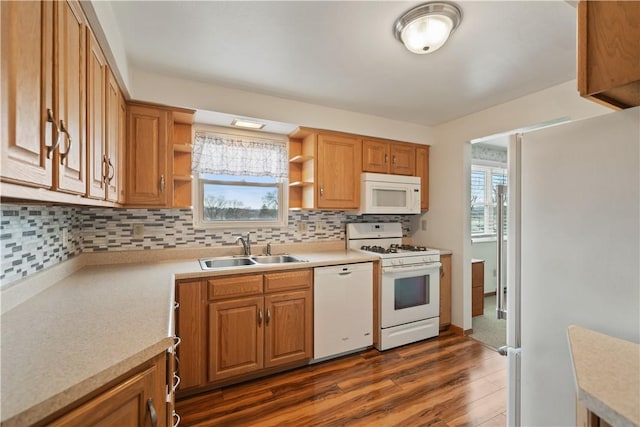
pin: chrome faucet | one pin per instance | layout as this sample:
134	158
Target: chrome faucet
246	243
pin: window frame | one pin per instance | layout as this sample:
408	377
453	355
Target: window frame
198	183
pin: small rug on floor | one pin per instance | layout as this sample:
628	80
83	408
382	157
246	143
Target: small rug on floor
487	328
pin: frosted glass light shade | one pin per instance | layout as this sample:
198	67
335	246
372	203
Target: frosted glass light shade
425	28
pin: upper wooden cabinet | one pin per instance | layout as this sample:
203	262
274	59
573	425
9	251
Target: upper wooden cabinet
69	91
324	170
382	156
422	170
43	95
97	81
338	174
147	169
152	156
26	92
609	52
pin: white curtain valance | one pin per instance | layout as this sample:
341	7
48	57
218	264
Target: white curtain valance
239	155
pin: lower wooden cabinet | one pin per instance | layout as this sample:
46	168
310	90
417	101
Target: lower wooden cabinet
477	288
238	326
138	400
445	291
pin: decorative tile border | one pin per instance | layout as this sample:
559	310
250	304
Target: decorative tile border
31	237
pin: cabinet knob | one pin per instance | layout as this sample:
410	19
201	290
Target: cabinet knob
321	191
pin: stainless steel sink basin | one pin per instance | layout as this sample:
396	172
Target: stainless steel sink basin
223	262
245	261
276	259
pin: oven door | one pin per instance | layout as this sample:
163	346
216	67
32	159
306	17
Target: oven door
409	294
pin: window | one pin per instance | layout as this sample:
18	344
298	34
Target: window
484	182
240	181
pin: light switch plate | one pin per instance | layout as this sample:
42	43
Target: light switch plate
138	231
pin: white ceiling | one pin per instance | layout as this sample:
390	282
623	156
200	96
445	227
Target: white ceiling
343	54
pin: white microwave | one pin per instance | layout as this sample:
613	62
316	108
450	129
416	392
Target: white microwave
389	194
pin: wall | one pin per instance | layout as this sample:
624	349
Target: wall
486	251
31	236
448	216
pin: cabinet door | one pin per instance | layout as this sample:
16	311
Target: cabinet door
375	156
97	72
147	180
191	327
235	337
122	143
134	402
422	170
339	167
288	332
445	290
69	90
403	160
113	141
26	91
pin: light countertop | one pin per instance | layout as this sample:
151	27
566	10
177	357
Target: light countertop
607	372
97	322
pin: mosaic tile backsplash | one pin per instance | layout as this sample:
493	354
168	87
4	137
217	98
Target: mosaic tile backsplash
31	237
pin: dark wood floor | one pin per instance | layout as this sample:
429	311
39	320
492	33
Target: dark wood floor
445	381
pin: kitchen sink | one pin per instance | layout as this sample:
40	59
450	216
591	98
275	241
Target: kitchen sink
276	259
245	261
223	262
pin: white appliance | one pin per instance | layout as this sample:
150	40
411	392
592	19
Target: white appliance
573	255
409	291
389	194
342	309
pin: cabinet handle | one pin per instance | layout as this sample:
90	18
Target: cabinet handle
103	173
268	316
176	305
69	142
259	317
441	272
152	413
162	183
112	169
386	158
52	120
176	341
177	419
321	191
393	160
176	383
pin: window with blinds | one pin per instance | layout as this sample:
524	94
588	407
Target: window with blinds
484	182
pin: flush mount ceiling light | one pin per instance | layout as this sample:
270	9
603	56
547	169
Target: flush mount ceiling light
425	28
247	124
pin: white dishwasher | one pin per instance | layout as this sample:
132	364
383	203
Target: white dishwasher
342	309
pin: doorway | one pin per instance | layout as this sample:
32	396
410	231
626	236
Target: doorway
488	171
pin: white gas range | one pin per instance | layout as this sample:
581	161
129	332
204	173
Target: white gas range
409	303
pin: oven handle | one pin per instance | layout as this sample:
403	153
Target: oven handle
408	269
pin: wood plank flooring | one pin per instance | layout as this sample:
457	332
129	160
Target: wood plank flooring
444	381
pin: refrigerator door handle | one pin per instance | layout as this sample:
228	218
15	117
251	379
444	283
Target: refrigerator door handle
501	312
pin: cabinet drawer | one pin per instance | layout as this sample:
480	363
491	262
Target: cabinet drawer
287	280
226	287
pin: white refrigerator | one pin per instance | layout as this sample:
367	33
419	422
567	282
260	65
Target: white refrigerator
573	255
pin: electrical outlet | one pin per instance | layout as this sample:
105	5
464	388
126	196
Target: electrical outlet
138	231
320	226
301	227
65	237
423	225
